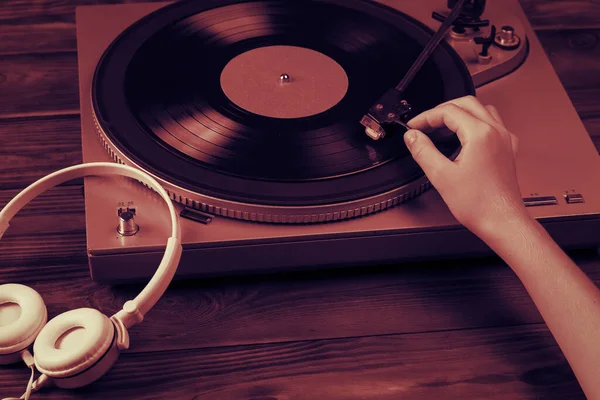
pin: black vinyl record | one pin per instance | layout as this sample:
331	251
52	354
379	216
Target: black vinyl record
158	98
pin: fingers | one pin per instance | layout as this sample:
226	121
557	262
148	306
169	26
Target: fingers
471	104
429	158
465	116
514	143
474	106
495	114
463	123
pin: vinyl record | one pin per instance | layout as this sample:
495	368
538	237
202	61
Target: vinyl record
185	94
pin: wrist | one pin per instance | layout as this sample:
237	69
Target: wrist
508	227
521	241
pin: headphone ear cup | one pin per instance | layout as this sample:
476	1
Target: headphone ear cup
18	333
76	348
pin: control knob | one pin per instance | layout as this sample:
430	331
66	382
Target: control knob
507	39
127	225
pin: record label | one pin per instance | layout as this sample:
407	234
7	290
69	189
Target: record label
284	81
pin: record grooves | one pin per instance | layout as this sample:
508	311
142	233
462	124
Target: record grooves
159	104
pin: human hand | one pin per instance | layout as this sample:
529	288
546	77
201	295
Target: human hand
480	186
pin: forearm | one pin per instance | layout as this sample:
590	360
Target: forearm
566	298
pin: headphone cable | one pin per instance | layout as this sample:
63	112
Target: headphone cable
32	386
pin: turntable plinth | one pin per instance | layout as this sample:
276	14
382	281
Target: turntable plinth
267	192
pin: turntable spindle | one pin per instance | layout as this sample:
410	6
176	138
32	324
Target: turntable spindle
284	78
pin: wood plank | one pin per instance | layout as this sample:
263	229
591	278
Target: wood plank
42	26
33	148
515	363
543	14
562	14
49	230
29	12
37	38
593	127
575	55
40	83
586	102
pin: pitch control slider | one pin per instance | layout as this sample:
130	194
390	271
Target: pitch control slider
391	108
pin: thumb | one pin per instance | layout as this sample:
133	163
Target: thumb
424	152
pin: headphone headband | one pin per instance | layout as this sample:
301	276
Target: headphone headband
133	310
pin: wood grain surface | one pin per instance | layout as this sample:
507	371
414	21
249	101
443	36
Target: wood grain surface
438	330
498	363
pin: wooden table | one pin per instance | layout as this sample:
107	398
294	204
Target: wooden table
464	329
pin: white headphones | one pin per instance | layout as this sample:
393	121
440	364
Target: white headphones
96	339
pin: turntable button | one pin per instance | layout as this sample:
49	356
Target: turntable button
574	198
540	201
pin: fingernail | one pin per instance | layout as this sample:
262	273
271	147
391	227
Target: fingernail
410	137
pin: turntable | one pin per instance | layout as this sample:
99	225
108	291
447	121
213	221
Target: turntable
248	113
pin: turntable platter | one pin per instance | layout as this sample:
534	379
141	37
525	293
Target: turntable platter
170	97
